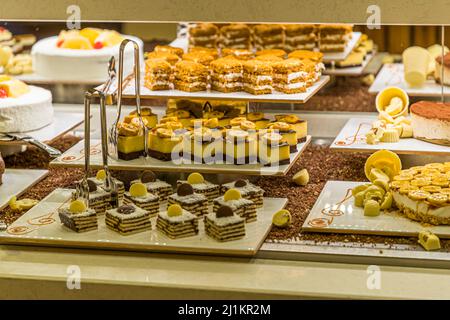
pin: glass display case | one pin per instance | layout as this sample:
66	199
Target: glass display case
314	134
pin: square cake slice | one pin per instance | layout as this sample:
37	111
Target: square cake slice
139	196
177	223
157	74
247	189
128	219
244	208
195	203
77	217
223	225
201	186
154	185
289	76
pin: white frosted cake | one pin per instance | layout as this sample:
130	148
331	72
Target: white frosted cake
23	108
79	55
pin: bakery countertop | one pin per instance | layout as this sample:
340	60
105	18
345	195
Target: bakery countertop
32	272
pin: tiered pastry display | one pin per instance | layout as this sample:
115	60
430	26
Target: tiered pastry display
22	107
14	52
77	55
236	71
334	38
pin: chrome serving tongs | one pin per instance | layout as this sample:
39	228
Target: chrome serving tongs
82	188
110	185
114	134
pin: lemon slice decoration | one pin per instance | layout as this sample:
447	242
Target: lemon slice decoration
282	218
384	160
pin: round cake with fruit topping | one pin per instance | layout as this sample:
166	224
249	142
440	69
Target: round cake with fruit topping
77	55
431	121
23	108
422	193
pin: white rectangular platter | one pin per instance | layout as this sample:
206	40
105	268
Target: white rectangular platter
352	138
17	181
346	218
54	234
327	56
62	123
338	56
350	71
130	88
74	158
392	75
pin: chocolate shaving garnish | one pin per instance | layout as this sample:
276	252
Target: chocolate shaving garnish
185	189
224	211
126	209
240	183
148	176
92	186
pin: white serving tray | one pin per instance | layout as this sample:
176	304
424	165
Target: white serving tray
33	78
392	75
17	182
74	158
129	93
351	220
350	71
338	56
54	234
352	138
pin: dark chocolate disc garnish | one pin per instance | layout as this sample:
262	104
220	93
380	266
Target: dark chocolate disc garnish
185	189
126	209
224	211
148	176
92	186
240	183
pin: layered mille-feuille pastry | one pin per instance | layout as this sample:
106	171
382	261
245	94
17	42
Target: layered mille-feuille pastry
235	35
268	36
299	37
203	35
257	77
289	76
226	75
190	76
158	74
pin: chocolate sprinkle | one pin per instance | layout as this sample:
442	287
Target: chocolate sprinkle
148	176
185	189
126	209
224	211
240	183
